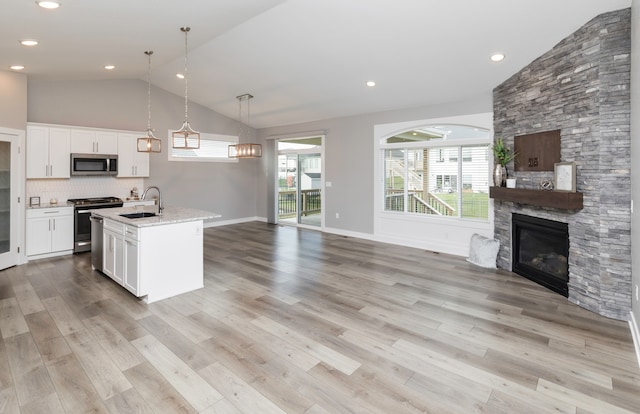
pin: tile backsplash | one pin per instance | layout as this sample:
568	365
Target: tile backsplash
80	187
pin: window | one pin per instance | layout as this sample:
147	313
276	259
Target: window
426	177
467	155
213	148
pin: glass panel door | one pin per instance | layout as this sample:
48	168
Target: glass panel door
8	186
310	185
300	181
287	188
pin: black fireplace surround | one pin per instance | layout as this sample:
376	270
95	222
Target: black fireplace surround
541	251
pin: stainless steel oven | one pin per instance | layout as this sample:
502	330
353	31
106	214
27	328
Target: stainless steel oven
82	219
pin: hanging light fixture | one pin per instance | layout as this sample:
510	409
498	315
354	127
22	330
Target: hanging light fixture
149	143
185	137
245	150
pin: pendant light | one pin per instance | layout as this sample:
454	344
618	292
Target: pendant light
185	137
245	150
149	143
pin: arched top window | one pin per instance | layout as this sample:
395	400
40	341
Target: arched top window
437	170
438	135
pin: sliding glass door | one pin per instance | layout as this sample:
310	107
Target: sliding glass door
300	182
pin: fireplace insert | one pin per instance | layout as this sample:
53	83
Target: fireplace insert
541	251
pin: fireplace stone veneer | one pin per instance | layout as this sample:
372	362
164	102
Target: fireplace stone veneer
581	87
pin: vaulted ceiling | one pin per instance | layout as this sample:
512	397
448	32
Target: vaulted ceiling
303	60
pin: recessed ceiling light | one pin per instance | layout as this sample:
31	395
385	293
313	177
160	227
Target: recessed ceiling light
497	57
179	75
48	4
16	67
371	83
28	42
109	67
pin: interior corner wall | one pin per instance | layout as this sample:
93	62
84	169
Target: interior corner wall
13	100
582	88
226	188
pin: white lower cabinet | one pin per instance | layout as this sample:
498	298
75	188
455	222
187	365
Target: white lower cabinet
120	254
132	263
49	232
112	244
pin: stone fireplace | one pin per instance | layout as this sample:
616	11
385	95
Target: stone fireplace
580	87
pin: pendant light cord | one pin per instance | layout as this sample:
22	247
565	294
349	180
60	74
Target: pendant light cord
149	53
186	78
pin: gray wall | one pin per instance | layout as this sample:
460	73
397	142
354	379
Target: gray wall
13	100
349	159
635	149
226	188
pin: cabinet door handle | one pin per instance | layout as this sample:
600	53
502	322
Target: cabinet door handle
49	225
97	147
54	224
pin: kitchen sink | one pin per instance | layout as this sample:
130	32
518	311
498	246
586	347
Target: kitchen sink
137	215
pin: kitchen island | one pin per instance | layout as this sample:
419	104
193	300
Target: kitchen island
154	257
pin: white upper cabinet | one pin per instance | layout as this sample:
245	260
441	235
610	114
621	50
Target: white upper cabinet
87	141
131	163
48	152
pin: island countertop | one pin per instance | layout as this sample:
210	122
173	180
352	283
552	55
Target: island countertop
170	215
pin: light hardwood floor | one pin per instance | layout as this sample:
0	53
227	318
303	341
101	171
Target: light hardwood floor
297	321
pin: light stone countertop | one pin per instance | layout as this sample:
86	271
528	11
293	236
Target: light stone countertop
171	215
49	205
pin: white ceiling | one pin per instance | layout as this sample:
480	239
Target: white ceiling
303	60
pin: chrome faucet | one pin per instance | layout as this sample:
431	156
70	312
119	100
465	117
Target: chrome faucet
160	206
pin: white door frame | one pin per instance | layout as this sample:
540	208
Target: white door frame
16	254
322	163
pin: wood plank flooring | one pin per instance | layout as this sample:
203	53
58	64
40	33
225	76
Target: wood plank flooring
297	321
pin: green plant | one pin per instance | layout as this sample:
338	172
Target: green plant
501	153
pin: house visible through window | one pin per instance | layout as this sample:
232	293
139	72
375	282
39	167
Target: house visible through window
423	173
213	148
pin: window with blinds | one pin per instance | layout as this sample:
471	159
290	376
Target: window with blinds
425	174
213	148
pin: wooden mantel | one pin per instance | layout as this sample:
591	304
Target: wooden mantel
555	199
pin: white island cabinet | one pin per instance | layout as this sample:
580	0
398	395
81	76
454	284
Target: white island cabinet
154	257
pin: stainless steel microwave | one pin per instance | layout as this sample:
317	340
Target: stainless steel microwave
94	164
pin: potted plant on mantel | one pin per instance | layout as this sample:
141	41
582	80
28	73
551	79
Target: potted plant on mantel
502	155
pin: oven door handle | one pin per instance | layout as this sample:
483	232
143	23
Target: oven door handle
83	211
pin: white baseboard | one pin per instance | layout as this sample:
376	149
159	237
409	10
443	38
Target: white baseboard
348	233
635	332
441	246
208	224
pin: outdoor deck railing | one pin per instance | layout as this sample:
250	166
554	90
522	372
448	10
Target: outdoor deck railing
394	201
311	202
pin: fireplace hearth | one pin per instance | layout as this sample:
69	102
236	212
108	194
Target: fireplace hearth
541	251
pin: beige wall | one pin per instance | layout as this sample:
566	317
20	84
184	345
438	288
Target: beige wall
13	100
